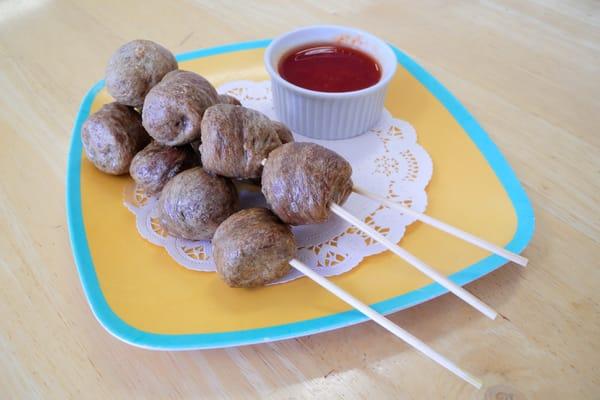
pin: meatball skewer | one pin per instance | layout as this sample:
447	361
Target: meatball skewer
235	137
304	183
253	247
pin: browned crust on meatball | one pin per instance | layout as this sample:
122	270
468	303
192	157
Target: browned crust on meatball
193	204
235	140
284	133
135	68
112	136
156	164
301	180
252	248
227	99
173	109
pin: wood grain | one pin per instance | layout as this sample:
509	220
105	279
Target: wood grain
528	70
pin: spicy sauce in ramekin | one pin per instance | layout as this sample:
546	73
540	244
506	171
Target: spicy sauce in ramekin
327	67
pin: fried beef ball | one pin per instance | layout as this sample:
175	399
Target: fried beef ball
173	109
252	248
236	139
112	136
301	180
193	204
156	164
135	68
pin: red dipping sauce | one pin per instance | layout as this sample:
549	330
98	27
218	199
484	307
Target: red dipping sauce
326	67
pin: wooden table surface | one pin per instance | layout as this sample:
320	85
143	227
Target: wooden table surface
528	70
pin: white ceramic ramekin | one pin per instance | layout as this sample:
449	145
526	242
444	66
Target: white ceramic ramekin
324	115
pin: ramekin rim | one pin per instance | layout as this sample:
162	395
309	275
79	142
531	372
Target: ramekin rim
381	84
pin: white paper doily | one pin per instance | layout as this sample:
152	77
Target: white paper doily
386	160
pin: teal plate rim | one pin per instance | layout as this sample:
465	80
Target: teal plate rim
129	334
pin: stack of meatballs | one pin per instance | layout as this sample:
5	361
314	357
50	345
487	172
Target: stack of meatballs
182	141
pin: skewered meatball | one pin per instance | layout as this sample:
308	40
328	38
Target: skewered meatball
193	204
301	180
252	248
235	140
112	136
173	109
135	68
152	167
227	99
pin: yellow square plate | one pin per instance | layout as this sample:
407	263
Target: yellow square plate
141	296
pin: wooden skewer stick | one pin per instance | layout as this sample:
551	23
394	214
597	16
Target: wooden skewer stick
415	262
467	237
386	323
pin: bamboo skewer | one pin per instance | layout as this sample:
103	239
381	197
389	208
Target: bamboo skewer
386	323
467	237
415	262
